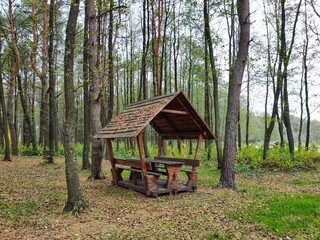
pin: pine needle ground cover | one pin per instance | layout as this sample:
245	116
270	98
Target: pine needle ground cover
269	206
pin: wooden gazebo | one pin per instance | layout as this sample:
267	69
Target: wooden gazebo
172	117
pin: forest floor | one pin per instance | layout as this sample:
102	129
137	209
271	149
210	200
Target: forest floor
267	206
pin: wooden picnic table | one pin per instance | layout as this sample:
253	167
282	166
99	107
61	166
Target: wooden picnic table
155	167
172	170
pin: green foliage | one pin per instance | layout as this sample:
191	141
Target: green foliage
250	156
314	146
278	159
28	151
306	159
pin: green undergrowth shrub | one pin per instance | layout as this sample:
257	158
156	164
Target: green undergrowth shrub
29	151
250	157
278	159
307	160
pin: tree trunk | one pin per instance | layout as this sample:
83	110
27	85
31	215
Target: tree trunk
52	85
276	92
306	87
286	104
110	64
282	83
86	96
44	112
56	32
75	200
95	93
239	129
190	78
26	114
26	132
301	100
206	92
156	31
227	178
1	128
143	73
248	105
11	84
215	84
4	119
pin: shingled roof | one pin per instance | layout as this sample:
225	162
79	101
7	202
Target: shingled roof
172	116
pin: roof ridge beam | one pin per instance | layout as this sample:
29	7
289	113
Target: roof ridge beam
174	111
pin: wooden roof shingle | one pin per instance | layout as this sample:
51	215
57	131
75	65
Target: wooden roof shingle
172	116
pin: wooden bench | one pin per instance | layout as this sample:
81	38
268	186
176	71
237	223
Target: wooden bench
135	175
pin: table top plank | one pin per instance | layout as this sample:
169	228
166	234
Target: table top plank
158	161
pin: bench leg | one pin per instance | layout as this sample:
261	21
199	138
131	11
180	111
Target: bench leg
135	176
116	176
152	184
192	180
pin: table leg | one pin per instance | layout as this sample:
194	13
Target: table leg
173	177
192	180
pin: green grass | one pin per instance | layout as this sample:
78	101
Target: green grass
289	213
23	208
303	183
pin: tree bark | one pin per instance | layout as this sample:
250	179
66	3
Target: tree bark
215	84
52	85
1	129
206	92
110	64
306	85
86	96
248	105
75	199
42	75
26	114
286	104
11	84
143	73
227	178
276	92
95	93
156	31
145	48
7	156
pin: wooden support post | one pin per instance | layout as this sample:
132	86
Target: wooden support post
112	161
197	154
143	160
